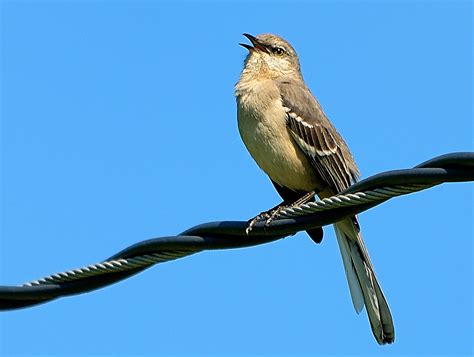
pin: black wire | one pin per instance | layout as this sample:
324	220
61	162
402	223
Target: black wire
455	167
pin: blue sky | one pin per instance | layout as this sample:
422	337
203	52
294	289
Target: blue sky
118	124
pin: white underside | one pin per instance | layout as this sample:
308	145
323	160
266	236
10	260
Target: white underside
268	140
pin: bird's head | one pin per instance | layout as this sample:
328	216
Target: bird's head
271	56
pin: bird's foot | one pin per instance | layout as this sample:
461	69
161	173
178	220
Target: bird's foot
268	216
273	213
253	221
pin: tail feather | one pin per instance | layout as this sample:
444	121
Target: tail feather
363	284
354	285
316	234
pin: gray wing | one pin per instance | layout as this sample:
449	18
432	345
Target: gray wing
316	136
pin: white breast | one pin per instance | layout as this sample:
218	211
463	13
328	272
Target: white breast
262	126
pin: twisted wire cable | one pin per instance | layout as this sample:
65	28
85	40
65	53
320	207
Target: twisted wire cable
110	266
352	199
456	167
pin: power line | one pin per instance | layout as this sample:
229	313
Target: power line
455	167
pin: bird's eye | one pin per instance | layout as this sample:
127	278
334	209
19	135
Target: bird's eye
278	51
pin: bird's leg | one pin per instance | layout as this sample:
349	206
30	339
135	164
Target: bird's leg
270	215
305	199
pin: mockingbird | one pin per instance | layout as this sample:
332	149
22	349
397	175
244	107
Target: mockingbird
287	133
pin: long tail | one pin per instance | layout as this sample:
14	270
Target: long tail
363	284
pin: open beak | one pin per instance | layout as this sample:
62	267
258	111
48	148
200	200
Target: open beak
257	44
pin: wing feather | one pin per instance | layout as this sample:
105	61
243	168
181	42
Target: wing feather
316	136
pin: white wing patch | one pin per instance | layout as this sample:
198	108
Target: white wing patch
312	138
318	142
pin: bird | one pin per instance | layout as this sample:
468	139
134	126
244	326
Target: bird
289	136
